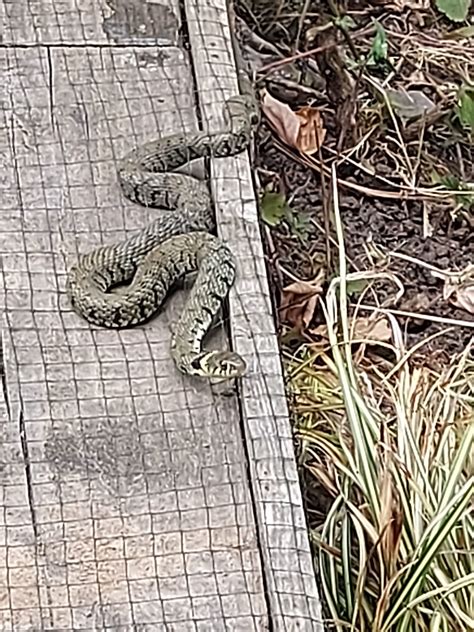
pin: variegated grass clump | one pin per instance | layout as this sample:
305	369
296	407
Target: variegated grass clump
391	445
395	552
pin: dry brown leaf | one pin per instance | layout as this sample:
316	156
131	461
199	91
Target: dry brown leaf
459	289
300	300
372	330
321	332
281	117
369	331
416	303
391	519
465	298
410	104
312	133
302	129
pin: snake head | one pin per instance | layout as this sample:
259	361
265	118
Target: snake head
224	365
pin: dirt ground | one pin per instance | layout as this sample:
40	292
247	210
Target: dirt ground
432	230
394	225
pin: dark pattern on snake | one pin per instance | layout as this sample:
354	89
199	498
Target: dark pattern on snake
154	259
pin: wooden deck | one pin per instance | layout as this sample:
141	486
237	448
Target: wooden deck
131	499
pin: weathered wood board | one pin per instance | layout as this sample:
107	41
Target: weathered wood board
91	22
131	498
287	560
125	499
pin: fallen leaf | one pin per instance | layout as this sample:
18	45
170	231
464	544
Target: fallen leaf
344	22
355	287
302	129
273	208
465	108
410	104
465	298
459	289
372	329
300	300
282	118
312	132
465	32
367	330
415	303
455	10
320	332
463	192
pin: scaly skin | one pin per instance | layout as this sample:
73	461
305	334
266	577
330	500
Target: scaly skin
154	259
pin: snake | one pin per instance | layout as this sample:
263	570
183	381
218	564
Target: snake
124	284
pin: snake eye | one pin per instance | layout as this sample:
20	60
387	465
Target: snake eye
254	118
196	364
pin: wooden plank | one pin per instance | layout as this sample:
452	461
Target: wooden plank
124	500
292	592
95	22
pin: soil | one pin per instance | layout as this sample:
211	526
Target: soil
392	224
395	225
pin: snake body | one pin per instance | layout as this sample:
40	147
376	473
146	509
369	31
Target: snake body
150	262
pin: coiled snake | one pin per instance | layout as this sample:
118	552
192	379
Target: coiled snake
154	259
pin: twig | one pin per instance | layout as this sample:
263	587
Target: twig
402	145
301	20
423	264
419	316
297	56
404	193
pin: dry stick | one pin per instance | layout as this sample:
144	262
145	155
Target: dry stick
345	124
461	162
419	316
402	145
404	193
301	20
437	272
325	201
297	56
344	31
258	44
